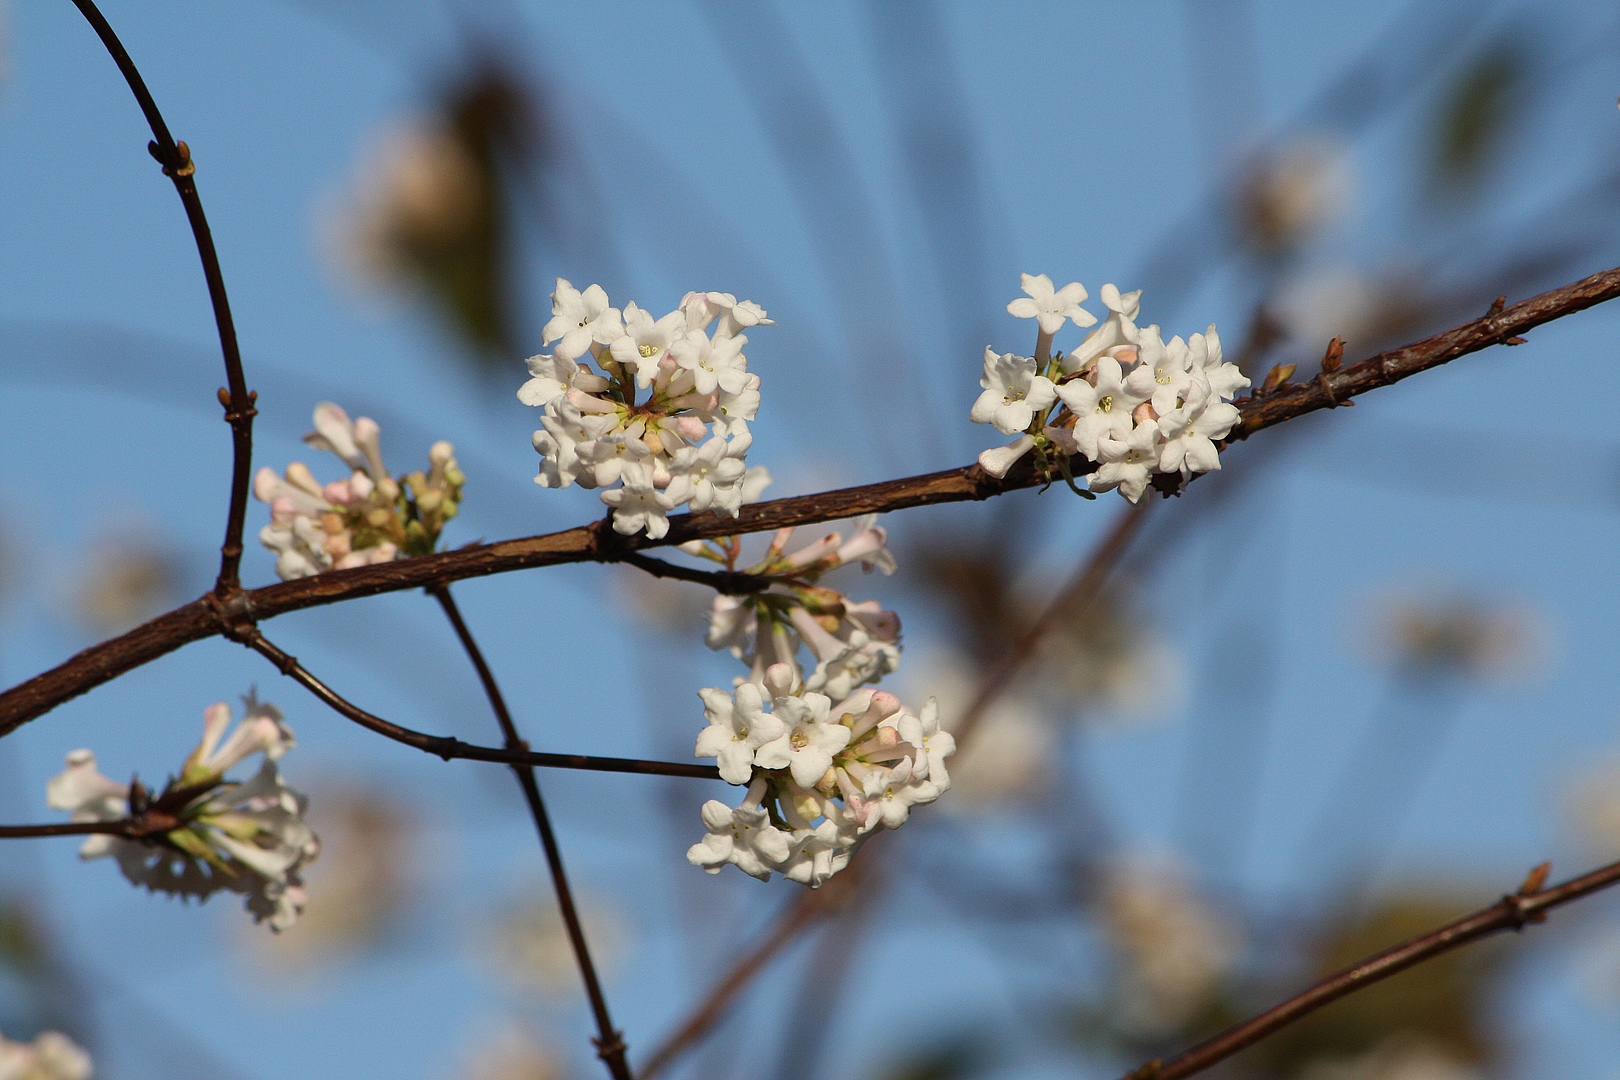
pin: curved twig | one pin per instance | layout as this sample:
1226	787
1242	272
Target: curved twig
175	157
610	1046
449	748
594	543
1513	912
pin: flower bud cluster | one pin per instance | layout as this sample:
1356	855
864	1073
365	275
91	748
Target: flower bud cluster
851	643
370	517
684	443
821	776
249	837
1125	399
826	763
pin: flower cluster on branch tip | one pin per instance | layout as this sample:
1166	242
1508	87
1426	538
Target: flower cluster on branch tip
1125	399
247	836
368	517
682	444
826	760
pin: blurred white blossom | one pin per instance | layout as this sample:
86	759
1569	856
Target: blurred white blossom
247	837
1293	192
1439	630
1173	948
526	944
509	1053
51	1056
1400	1057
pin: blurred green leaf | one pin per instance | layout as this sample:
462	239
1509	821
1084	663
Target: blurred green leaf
1475	115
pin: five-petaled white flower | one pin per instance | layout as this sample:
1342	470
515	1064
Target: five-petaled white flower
738	726
1050	307
1013	392
580	320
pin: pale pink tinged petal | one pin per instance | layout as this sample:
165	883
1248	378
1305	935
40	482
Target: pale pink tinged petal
997	460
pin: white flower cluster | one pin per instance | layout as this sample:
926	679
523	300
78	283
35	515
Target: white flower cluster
51	1056
852	644
249	837
1125	399
829	763
685	442
369	517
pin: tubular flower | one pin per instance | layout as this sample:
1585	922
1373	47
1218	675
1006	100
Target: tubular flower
247	837
1125	400
850	643
684	442
370	517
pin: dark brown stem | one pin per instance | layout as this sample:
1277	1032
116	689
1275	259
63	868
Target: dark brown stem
215	615
175	157
610	1046
728	582
1512	912
449	748
130	828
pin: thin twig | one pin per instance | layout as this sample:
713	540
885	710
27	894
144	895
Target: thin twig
450	748
593	543
1080	591
137	827
610	1046
726	582
1512	912
175	157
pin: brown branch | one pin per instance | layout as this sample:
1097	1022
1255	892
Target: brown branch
610	1046
1513	912
454	749
594	543
175	157
1080	591
728	582
137	827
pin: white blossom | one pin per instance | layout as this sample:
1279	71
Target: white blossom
742	836
1013	392
667	416
51	1056
580	320
1128	402
1050	307
369	517
248	837
738	726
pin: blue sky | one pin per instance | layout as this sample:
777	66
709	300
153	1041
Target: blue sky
1089	144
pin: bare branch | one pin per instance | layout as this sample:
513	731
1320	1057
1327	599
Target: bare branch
1513	912
175	157
213	615
450	748
610	1046
138	827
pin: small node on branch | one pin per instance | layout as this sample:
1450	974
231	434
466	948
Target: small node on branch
1515	341
1496	307
1534	880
